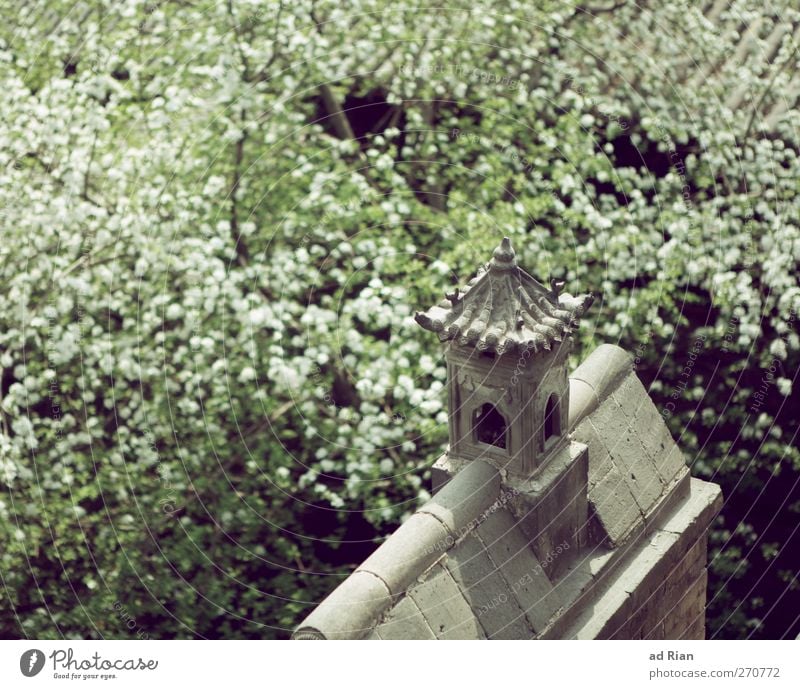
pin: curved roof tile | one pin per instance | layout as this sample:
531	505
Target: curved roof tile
503	309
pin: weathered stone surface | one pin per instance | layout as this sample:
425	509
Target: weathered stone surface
526	578
644	481
465	498
651	566
670	463
408	552
350	611
553	515
649	427
444	607
599	461
595	623
620	439
404	621
615	507
653	592
486	591
686	620
631	396
578	575
705	501
653	434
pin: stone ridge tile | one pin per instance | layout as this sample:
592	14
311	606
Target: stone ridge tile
460	503
404	621
444	607
603	367
582	399
486	591
615	506
509	550
352	609
408	552
468	494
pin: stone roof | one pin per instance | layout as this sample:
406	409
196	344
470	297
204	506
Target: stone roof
462	567
503	309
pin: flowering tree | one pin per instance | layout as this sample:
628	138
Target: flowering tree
218	218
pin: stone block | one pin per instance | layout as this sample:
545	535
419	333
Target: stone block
656	632
652	565
594	624
609	421
631	395
599	460
652	432
486	591
615	507
444	607
670	463
524	575
552	510
674	495
705	501
655	438
636	468
654	584
578	575
686	570
404	621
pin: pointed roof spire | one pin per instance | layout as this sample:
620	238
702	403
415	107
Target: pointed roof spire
503	309
504	257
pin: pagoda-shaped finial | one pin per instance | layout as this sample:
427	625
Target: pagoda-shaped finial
504	256
504	309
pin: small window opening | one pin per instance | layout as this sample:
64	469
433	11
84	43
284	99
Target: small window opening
552	419
489	426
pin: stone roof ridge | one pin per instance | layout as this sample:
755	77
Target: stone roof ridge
504	309
355	606
595	379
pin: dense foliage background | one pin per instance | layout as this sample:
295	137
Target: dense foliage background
218	217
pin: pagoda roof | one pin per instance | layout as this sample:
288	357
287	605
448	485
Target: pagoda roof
503	309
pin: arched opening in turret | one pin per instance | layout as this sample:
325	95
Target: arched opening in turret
489	426
552	418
